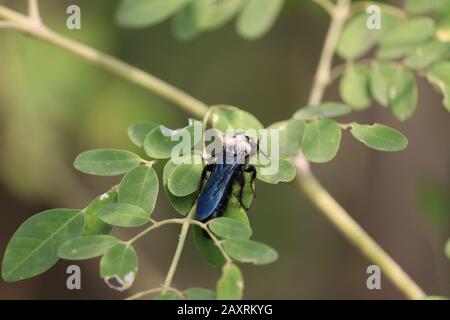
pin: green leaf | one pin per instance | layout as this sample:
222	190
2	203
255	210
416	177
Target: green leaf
119	266
258	17
231	284
402	94
228	117
447	249
140	188
357	39
439	75
200	294
185	178
161	142
206	246
407	33
289	138
379	137
171	295
249	251
86	247
181	204
106	162
124	215
285	172
93	224
380	81
203	15
425	6
33	248
427	53
144	13
185	25
229	228
323	110
354	87
139	131
213	14
321	140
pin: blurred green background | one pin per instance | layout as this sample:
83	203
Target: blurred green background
54	105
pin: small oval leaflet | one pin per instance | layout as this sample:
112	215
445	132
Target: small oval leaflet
379	137
185	178
86	247
229	228
139	131
286	172
258	17
140	188
181	204
145	13
249	251
323	110
124	215
106	162
231	285
119	266
321	140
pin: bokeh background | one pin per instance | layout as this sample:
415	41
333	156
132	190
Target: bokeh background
54	105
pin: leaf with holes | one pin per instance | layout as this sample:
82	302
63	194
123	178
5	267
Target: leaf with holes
119	266
231	284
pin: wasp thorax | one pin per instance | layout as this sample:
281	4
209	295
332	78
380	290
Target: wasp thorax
241	143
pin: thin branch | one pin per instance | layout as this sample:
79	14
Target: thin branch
322	76
114	65
154	226
327	5
33	10
357	236
143	293
214	239
176	258
321	198
197	108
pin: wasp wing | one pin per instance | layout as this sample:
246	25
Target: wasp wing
218	182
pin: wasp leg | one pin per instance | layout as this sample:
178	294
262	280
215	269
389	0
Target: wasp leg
240	178
253	171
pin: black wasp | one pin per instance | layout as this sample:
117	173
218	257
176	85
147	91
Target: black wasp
228	167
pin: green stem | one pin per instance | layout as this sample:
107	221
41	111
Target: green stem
318	194
195	107
116	66
355	234
176	257
154	226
